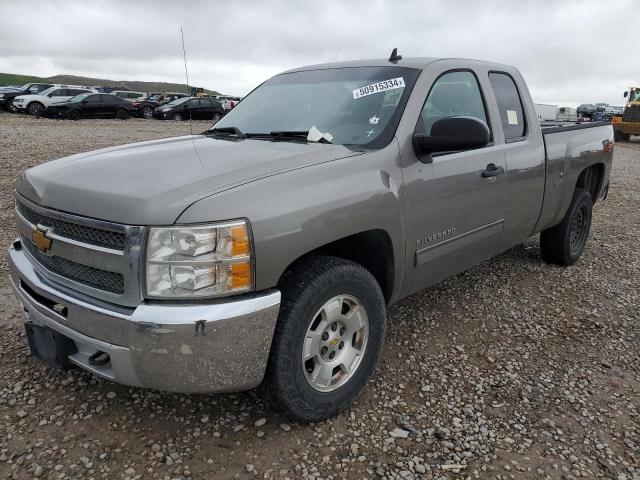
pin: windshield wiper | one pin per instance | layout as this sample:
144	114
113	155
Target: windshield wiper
282	134
290	133
226	131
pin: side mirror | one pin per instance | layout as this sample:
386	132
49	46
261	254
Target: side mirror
625	94
452	134
85	102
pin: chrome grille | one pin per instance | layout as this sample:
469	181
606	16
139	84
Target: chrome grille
93	257
75	231
93	277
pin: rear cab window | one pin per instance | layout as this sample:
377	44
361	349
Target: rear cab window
512	117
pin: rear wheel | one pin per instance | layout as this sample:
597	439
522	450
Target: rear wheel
35	109
216	117
122	114
73	115
327	339
564	243
147	112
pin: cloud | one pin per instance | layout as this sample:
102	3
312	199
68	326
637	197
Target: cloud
570	52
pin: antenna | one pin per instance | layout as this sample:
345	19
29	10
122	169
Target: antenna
394	56
186	73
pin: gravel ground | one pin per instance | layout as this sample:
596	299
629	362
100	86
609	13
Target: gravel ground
512	370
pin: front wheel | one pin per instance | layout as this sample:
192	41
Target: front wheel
35	109
327	339
177	117
564	243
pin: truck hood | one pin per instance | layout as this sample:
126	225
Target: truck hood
152	183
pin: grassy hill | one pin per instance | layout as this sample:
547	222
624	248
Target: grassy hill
14	79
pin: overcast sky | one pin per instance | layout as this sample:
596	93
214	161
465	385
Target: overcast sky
570	52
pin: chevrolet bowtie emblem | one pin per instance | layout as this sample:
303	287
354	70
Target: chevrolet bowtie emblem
40	240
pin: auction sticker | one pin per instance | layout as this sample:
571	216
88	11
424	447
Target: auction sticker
378	87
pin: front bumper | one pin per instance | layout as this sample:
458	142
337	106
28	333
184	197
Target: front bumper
188	348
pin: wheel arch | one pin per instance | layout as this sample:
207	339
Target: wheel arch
590	179
372	249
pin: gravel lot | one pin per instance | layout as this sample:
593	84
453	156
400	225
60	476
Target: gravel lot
512	370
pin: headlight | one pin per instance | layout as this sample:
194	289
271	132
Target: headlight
199	261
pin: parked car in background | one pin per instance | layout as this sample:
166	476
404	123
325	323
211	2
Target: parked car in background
148	104
128	95
586	110
7	96
35	104
92	105
193	108
228	102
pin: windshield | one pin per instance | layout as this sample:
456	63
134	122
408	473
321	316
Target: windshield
634	94
356	106
80	97
178	101
47	91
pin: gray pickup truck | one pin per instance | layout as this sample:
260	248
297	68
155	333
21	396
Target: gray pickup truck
266	249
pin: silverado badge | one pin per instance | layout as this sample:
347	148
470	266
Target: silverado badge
40	240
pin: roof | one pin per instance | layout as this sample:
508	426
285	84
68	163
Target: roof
414	62
408	62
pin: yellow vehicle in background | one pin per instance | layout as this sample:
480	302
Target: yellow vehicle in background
628	123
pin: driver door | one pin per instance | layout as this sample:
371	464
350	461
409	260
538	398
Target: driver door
455	216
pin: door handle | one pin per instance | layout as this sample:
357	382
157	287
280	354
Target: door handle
492	171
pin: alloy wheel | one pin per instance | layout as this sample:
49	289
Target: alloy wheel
335	343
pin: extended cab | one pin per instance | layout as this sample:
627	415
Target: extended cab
267	248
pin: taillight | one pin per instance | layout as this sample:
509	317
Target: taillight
608	147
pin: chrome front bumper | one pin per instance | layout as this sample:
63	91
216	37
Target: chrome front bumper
189	348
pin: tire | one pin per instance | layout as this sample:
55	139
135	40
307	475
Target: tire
73	115
122	114
147	112
177	117
307	290
625	137
564	243
35	108
216	117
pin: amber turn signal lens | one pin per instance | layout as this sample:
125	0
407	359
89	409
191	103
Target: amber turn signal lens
240	238
240	275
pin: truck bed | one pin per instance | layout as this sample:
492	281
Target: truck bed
571	147
555	127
